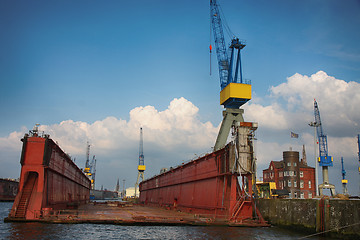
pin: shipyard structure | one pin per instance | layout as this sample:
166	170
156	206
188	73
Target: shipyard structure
209	185
49	179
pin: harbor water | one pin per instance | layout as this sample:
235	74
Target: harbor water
33	230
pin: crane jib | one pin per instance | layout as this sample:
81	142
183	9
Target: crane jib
324	158
234	90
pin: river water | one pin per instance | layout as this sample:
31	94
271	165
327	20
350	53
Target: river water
107	231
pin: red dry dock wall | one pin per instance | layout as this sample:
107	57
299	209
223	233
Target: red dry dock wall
205	186
49	179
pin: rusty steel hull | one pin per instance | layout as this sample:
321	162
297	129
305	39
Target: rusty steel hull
49	180
206	186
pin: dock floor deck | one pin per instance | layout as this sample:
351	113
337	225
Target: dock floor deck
126	214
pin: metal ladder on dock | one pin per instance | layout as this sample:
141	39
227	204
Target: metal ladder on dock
25	196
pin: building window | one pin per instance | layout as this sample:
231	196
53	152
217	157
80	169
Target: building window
295	194
309	184
301	195
295	184
289	183
294	164
310	195
271	167
301	184
289	164
280	174
295	173
301	174
291	173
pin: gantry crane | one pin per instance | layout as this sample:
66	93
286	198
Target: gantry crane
235	91
343	181
90	167
141	166
324	159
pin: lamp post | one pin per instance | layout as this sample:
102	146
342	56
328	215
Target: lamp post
314	125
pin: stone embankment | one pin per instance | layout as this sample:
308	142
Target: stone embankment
327	216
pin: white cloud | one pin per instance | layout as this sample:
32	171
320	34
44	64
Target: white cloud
338	100
170	136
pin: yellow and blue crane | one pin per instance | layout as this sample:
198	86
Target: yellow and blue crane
90	167
141	166
343	181
235	91
324	159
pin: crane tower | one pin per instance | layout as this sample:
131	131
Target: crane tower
141	166
235	91
343	181
90	167
324	159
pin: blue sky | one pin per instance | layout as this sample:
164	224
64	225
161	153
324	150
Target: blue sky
88	60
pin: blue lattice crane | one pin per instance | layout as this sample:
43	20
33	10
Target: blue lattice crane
235	91
324	159
343	181
141	166
90	167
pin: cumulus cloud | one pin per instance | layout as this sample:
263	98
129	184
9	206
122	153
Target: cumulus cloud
291	104
338	100
170	136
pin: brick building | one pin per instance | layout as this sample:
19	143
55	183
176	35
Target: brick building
292	175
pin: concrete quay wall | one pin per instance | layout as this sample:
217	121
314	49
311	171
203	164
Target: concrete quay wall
334	217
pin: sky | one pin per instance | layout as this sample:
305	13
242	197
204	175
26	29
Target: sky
97	71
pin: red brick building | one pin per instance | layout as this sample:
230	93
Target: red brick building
292	175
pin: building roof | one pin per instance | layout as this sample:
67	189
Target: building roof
280	164
301	165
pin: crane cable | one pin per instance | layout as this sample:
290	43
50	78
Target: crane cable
225	24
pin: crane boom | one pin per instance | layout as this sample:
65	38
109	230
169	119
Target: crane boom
234	91
141	149
324	158
219	43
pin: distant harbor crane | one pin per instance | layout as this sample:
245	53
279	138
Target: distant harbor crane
141	166
90	167
343	181
324	159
